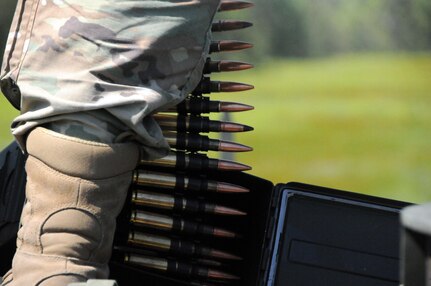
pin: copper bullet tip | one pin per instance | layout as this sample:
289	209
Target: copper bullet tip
206	85
229	45
224	233
227	66
223	255
229	5
234	127
215	274
229	25
233	147
230	188
232	166
228	211
226	86
234	107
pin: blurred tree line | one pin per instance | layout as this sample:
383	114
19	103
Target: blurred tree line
308	28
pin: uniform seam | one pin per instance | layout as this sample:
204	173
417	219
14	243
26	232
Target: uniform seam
30	32
15	40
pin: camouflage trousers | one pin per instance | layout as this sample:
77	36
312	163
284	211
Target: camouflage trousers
98	70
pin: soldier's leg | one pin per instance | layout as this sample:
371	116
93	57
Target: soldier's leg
129	58
92	73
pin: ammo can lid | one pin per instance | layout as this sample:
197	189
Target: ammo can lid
330	237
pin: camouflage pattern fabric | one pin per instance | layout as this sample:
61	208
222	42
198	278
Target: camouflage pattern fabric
100	67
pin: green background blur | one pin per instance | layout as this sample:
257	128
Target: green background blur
342	98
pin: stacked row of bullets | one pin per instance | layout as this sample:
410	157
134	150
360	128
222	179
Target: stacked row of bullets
171	197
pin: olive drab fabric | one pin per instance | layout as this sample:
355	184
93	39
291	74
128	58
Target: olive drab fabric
105	65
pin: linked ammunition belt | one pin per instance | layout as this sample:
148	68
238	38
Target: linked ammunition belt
172	197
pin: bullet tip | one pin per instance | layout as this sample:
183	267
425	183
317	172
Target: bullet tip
224	233
230	25
229	66
228	45
221	275
234	5
233	147
232	166
234	127
248	128
234	107
224	255
234	86
228	211
230	188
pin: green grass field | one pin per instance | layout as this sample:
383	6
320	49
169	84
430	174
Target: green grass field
7	113
354	122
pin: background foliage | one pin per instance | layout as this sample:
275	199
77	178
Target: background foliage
310	28
343	93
